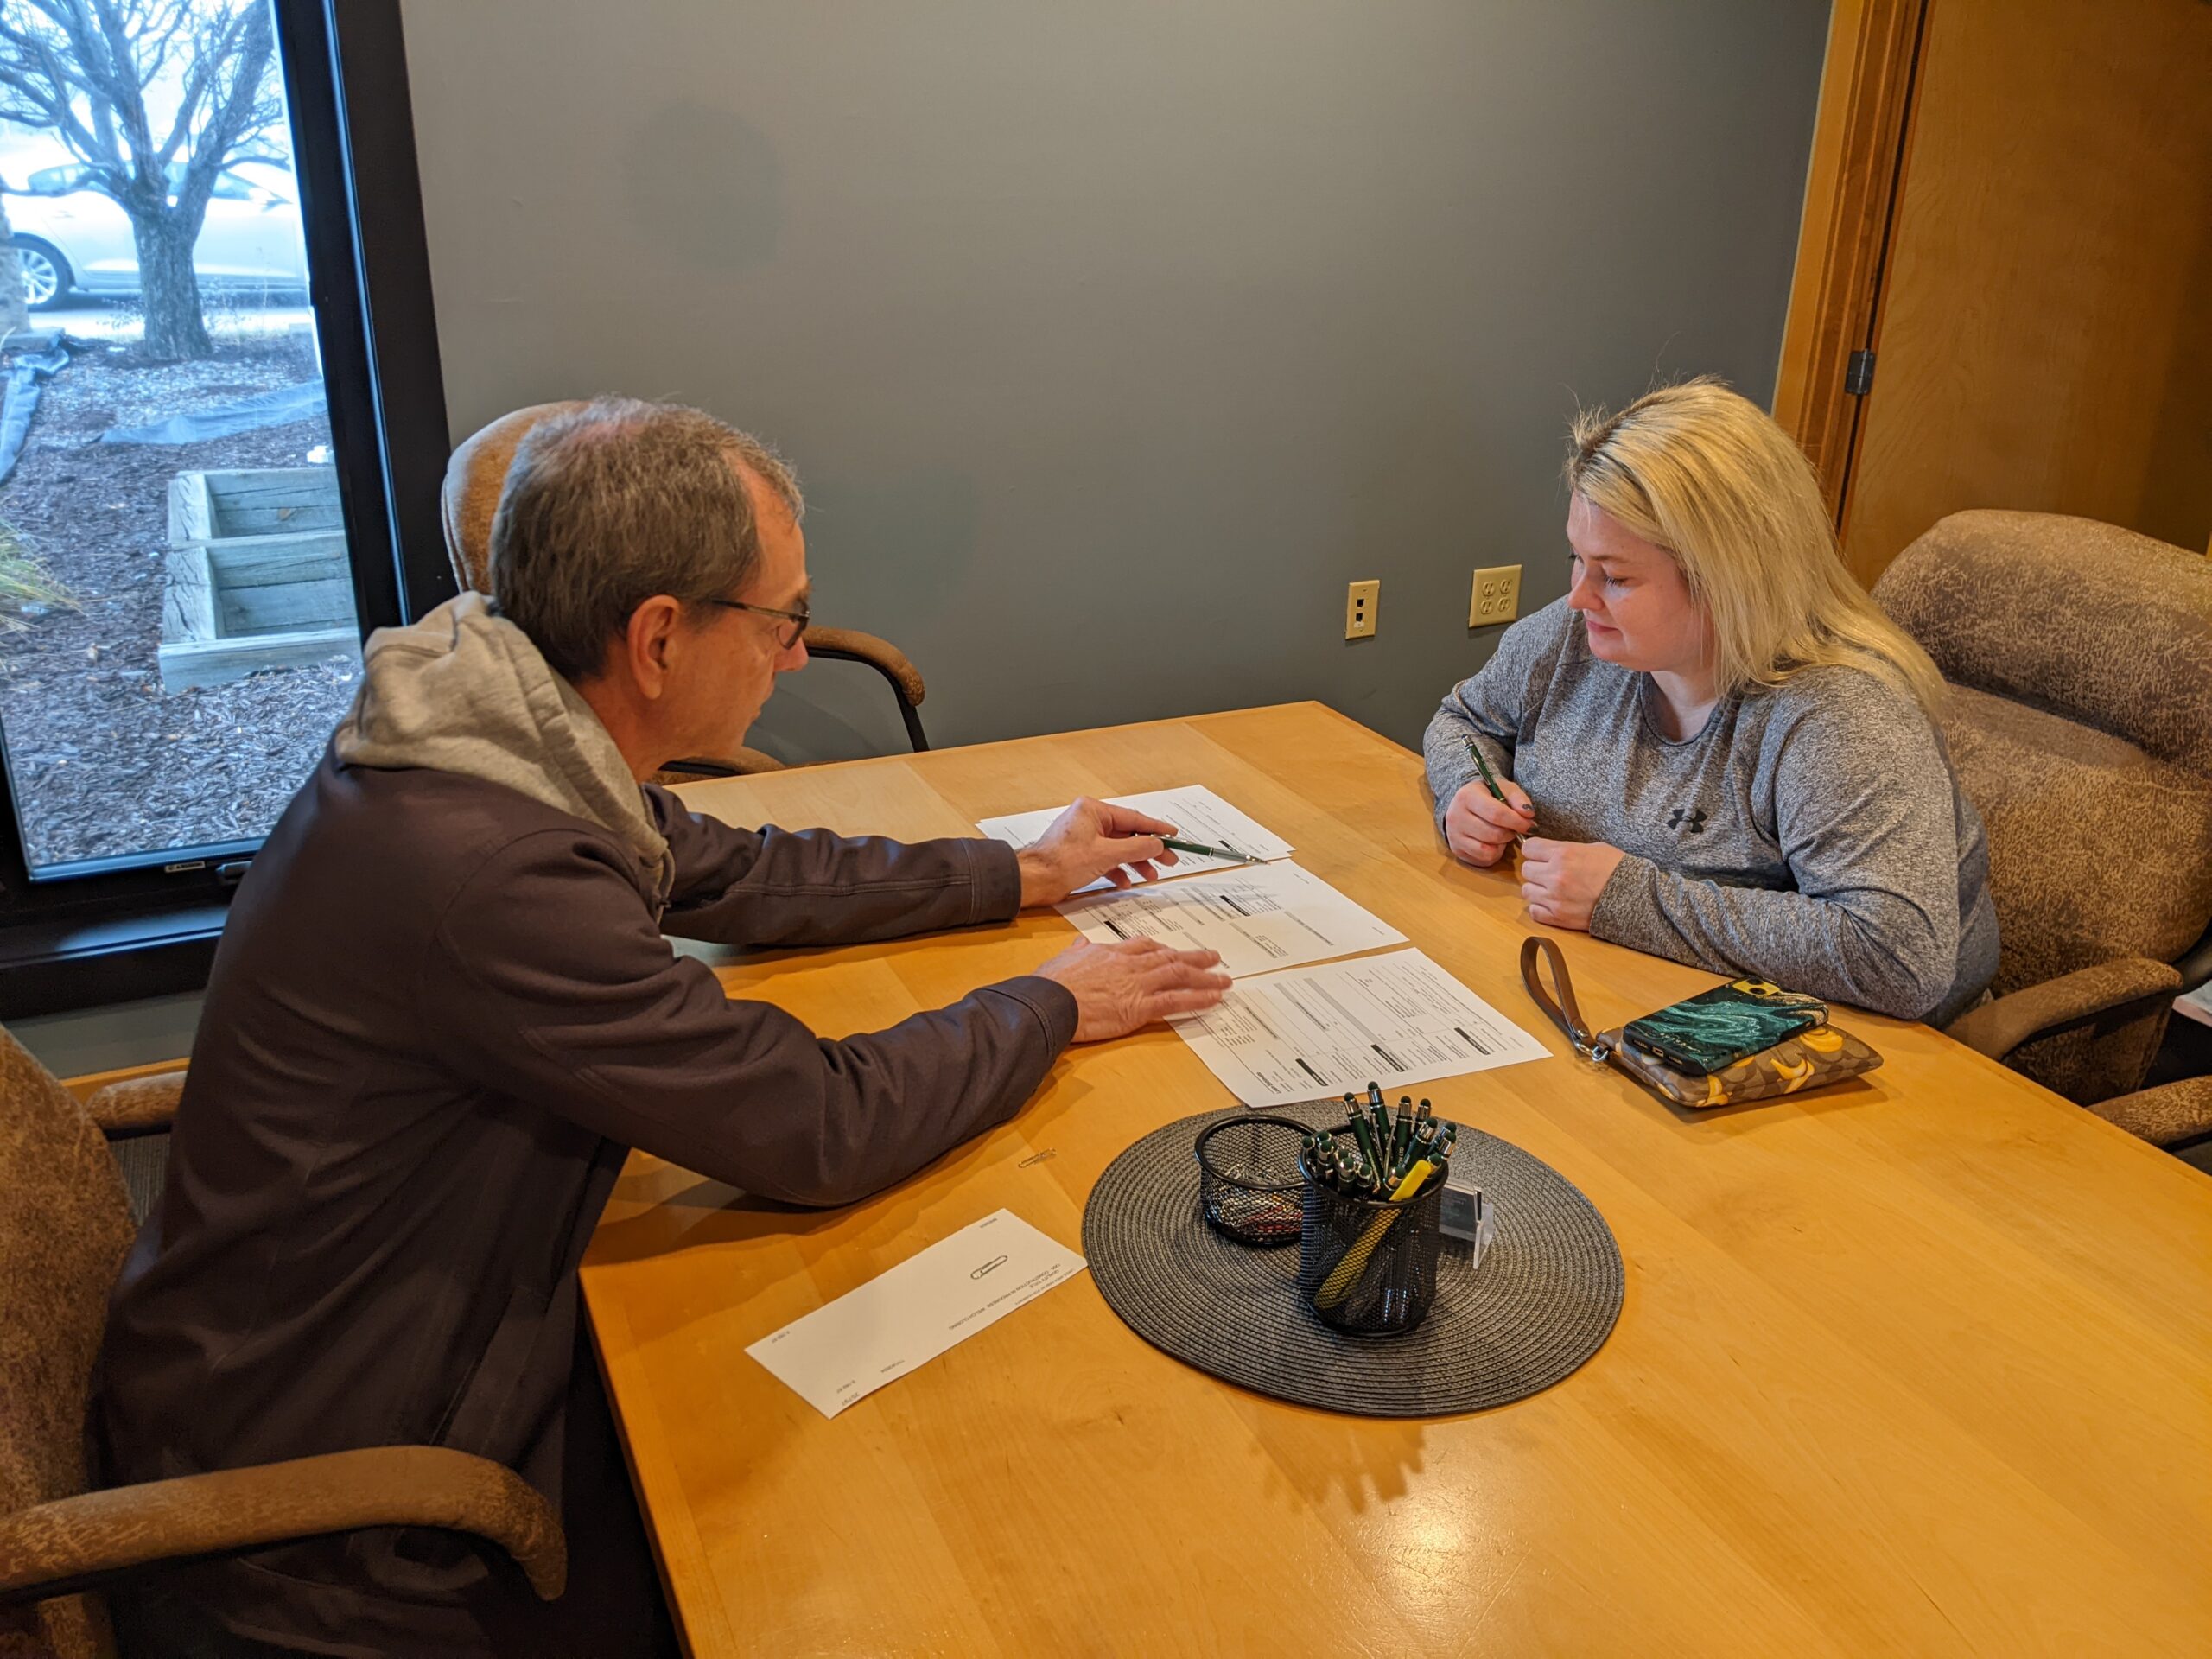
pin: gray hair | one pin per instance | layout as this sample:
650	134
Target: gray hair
606	505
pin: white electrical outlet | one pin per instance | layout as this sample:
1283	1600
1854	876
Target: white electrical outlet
1496	597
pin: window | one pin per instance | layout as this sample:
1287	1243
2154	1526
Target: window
197	524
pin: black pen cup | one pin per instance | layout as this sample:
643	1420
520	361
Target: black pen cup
1368	1266
1250	1178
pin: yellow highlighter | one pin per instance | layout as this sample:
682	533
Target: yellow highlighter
1334	1288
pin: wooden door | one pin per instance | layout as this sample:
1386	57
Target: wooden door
2043	326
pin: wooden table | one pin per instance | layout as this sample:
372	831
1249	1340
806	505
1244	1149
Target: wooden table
1917	1366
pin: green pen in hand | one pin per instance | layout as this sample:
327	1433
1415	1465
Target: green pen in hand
1489	782
1204	851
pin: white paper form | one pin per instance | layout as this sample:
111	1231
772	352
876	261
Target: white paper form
1274	916
1195	810
2196	1004
1308	1032
911	1314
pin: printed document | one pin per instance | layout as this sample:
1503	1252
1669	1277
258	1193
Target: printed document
1196	812
1309	1032
911	1314
1271	915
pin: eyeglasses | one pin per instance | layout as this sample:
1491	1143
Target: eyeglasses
795	622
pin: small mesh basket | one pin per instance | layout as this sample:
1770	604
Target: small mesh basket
1368	1266
1248	1178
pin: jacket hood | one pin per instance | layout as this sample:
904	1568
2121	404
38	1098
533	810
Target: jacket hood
464	690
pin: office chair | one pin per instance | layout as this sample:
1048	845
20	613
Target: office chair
63	1235
2079	719
475	478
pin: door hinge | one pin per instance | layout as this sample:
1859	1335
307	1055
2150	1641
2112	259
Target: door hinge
1858	374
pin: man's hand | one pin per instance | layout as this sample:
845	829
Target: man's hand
1478	827
1092	839
1122	987
1562	880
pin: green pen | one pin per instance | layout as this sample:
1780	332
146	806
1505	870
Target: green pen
1317	1149
1204	851
1378	1112
1424	1144
1363	1131
1321	1156
1344	1165
1432	1143
1489	782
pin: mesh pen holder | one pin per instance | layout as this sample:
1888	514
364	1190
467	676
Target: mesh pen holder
1249	1177
1368	1266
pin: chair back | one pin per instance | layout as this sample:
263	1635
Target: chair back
470	496
469	501
2107	628
65	1227
2079	719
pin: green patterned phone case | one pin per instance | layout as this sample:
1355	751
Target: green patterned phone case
1713	1030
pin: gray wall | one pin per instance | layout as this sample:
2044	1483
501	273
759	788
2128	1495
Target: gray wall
1111	341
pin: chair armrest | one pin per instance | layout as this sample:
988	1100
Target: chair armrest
78	1543
136	1105
2195	964
2170	1113
880	654
1998	1027
740	762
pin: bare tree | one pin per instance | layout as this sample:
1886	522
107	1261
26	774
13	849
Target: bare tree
14	313
82	68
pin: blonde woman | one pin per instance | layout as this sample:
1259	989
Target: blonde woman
1717	747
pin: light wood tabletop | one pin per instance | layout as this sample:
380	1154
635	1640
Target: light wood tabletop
1920	1365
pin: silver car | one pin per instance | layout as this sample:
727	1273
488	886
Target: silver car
68	236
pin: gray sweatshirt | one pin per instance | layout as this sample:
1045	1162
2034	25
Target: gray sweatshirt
1814	834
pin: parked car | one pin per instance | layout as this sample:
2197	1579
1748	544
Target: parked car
68	236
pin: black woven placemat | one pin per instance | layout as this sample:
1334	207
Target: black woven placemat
1543	1300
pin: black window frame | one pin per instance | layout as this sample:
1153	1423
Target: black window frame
114	937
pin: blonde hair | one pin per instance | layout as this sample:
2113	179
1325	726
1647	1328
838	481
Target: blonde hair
1706	475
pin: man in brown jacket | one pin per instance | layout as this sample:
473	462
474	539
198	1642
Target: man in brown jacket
445	1009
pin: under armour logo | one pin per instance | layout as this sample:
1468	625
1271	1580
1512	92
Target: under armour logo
1691	818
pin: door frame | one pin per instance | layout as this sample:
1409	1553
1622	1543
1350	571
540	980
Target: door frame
1861	136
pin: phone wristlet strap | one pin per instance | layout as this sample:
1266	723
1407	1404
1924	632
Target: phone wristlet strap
1563	1011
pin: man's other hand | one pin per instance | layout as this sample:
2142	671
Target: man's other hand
1120	989
1092	839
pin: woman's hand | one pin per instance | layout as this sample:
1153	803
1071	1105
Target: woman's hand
1478	827
1562	880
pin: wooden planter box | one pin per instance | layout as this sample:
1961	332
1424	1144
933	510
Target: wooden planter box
258	575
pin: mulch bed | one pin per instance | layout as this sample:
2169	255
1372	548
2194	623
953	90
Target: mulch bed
102	762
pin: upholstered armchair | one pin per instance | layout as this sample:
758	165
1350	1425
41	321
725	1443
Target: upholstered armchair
473	478
63	1234
2079	719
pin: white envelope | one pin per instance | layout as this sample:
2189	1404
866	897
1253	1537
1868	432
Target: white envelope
911	1314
